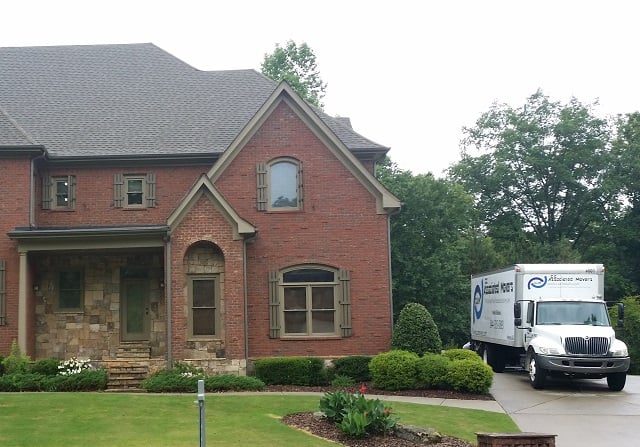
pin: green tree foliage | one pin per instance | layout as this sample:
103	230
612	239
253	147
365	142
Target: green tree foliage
630	332
296	64
435	246
538	174
415	331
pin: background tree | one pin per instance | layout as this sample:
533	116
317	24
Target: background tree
434	246
296	64
538	176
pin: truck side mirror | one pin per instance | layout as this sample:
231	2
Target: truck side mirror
517	314
530	313
620	314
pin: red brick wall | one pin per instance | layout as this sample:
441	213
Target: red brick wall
205	223
94	196
338	227
14	212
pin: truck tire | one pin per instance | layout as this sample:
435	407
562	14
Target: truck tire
537	375
495	358
616	381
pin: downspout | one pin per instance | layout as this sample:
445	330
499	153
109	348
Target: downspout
32	190
168	297
246	297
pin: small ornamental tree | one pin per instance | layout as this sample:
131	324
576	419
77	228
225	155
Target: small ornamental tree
415	331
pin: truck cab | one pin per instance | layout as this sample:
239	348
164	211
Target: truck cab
572	338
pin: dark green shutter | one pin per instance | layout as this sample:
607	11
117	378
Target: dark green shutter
261	193
344	276
118	196
46	192
3	292
274	306
151	190
300	186
72	191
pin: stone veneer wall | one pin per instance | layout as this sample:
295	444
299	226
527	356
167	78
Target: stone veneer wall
95	332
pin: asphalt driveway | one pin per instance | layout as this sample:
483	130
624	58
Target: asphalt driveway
581	413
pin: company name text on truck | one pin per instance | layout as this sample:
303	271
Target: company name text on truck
551	319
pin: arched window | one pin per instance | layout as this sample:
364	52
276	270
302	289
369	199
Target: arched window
280	185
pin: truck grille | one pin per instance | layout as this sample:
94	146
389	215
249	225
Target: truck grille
586	346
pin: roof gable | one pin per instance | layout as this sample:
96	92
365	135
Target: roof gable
385	201
204	187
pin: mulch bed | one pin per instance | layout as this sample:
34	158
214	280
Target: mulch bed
321	427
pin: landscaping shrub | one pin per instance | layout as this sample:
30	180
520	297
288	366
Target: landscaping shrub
305	371
88	380
357	416
15	362
229	382
415	331
432	370
394	370
46	367
342	381
470	376
1	364
183	379
354	366
461	354
630	332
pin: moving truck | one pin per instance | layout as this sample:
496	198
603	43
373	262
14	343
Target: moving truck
551	319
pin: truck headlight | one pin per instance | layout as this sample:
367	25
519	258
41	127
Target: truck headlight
619	349
549	350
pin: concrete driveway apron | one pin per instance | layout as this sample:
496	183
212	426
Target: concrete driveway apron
581	413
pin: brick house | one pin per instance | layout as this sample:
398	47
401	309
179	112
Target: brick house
210	217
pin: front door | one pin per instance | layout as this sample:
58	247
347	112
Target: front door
134	318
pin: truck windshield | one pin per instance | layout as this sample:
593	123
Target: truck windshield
578	312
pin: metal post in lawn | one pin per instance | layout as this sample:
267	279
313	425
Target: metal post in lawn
201	405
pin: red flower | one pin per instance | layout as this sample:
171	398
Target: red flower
363	389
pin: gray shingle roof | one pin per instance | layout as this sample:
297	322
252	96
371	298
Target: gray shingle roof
131	100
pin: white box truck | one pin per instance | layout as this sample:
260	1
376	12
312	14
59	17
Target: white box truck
551	319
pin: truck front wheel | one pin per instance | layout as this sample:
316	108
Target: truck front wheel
537	375
616	381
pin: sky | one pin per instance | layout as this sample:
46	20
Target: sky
410	74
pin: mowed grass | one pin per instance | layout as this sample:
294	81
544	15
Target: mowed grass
130	420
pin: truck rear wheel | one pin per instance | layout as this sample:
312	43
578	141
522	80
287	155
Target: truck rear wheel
537	375
616	381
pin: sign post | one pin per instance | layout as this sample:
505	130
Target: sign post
201	406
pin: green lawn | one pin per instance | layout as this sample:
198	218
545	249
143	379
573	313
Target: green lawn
100	419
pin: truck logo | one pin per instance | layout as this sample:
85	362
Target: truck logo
537	282
478	302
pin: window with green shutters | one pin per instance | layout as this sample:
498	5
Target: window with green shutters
58	192
279	185
309	301
134	190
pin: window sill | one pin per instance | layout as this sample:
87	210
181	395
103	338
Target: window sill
62	210
311	337
204	338
69	312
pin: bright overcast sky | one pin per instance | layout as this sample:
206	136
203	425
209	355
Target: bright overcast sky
409	73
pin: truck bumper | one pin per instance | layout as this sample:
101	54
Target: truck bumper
584	365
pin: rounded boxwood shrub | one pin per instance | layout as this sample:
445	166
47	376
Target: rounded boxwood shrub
470	376
461	354
394	370
416	331
432	370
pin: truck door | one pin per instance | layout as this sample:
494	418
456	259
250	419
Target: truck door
528	333
521	321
